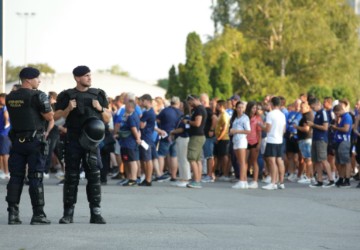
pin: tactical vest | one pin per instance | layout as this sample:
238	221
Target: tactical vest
23	114
84	109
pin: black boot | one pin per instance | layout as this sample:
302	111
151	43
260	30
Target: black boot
39	217
36	191
70	197
95	216
68	215
93	191
14	218
14	191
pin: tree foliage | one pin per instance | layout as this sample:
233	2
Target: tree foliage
196	74
12	72
288	46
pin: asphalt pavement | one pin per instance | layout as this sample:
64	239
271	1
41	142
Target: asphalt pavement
214	217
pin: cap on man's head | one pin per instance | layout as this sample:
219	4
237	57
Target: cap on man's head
81	70
146	97
235	98
29	73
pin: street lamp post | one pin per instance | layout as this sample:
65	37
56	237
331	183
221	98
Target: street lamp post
26	16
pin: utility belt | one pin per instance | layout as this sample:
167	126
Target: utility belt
27	136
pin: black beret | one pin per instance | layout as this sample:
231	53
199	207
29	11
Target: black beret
29	73
81	70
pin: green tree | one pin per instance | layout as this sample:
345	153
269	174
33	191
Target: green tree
182	91
291	45
173	87
12	72
320	92
163	83
196	75
223	78
342	92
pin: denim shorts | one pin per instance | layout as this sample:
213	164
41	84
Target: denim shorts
208	147
305	148
166	148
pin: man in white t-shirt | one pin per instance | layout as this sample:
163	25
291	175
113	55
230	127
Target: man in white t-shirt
275	128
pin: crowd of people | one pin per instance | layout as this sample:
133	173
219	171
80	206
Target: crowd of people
198	140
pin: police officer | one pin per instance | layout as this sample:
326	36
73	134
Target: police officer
29	109
84	109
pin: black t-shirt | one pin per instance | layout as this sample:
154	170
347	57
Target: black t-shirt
309	116
208	122
198	111
83	110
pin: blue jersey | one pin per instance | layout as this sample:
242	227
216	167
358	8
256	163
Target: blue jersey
129	122
149	118
3	130
293	118
344	136
321	117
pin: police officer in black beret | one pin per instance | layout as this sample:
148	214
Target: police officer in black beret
29	109
84	109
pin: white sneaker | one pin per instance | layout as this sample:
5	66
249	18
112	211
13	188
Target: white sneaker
7	176
270	187
46	176
281	186
2	175
241	185
142	178
60	174
253	185
304	180
267	180
82	175
292	178
313	180
179	183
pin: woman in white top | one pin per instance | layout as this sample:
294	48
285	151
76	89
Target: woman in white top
239	130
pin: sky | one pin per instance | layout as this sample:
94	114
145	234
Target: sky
144	37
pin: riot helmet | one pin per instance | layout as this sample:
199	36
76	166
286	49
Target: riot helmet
93	132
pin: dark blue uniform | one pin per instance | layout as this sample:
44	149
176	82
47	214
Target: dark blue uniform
28	148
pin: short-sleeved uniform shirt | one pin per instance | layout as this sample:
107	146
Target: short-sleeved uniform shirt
344	136
168	118
149	118
321	117
129	121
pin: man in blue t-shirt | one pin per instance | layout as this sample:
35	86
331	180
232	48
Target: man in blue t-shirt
129	139
320	128
342	130
167	121
147	125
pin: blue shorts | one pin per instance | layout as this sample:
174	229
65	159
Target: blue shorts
149	154
208	147
4	145
305	148
166	148
129	154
